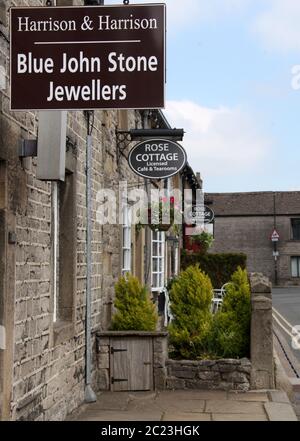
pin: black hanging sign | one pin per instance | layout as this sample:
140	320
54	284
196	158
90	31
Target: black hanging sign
157	158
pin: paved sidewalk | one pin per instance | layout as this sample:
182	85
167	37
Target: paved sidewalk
188	405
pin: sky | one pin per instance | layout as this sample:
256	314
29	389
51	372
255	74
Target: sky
233	85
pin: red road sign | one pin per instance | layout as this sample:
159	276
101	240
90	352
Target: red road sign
275	236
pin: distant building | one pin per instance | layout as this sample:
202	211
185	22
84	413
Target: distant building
244	222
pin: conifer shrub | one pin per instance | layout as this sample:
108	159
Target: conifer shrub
135	310
190	296
230	334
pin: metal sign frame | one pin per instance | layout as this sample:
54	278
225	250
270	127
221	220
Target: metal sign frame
81	108
159	140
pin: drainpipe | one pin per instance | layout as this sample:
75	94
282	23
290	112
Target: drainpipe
148	243
89	394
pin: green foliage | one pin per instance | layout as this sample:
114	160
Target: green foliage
230	334
219	267
195	332
190	295
135	311
205	239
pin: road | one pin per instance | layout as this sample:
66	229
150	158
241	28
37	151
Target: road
286	315
286	304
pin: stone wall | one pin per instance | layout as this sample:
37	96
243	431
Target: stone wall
224	374
42	377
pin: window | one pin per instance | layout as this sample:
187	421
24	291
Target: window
295	266
295	223
158	260
126	245
64	236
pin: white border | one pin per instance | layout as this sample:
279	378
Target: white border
157	140
93	7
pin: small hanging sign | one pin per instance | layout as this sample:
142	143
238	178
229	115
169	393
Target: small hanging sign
157	159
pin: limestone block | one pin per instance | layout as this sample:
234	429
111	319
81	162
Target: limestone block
103	360
209	375
175	383
160	378
103	380
260	285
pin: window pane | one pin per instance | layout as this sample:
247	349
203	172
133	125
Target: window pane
154	265
295	229
161	281
160	266
124	237
295	261
154	281
155	235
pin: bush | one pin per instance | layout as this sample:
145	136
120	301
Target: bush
219	267
190	296
135	311
230	334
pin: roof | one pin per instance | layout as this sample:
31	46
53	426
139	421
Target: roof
255	203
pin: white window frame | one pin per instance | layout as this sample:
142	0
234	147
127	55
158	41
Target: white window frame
158	237
126	240
297	259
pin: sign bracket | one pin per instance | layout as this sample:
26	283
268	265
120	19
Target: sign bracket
124	138
123	141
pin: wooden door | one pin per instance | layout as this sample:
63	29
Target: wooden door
131	364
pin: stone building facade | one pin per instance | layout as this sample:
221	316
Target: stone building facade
43	267
244	222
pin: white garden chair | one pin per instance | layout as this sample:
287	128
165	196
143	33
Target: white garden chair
218	296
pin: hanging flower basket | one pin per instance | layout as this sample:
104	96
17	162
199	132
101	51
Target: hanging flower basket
164	209
160	227
158	212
